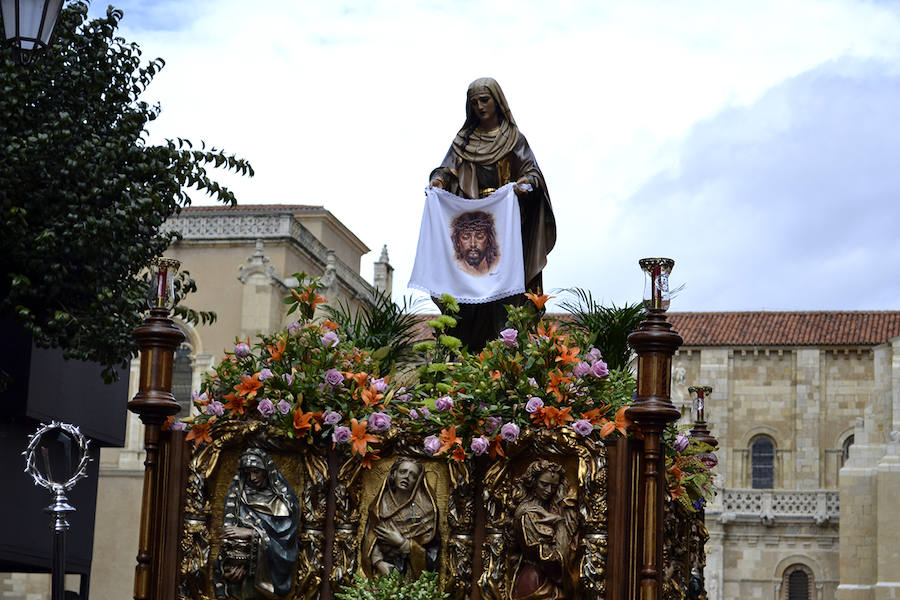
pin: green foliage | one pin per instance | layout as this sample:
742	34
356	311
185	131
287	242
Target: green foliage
607	327
83	194
393	587
388	328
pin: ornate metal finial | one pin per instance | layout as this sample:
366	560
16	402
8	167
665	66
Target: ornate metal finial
699	431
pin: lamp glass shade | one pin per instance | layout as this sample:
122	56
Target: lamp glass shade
28	24
656	283
161	292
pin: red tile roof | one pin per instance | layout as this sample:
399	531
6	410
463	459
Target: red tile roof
801	328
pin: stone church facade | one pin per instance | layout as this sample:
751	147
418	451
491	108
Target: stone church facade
803	406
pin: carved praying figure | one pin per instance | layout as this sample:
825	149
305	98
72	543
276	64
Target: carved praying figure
488	152
543	535
402	529
259	532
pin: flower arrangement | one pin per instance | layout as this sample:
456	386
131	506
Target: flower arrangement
308	381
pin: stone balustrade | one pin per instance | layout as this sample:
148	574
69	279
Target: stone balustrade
769	506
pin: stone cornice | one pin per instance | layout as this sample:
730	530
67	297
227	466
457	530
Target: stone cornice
278	226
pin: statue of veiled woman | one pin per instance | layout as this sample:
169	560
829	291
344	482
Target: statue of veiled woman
402	528
259	533
488	152
543	534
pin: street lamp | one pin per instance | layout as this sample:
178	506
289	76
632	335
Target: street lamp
699	431
28	25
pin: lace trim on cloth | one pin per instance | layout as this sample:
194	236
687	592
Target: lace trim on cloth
494	298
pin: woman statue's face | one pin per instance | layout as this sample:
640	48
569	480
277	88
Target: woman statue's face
485	108
256	477
545	486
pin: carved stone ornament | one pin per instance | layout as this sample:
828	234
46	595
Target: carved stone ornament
247	533
545	519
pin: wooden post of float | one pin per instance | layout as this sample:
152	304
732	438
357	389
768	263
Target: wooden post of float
157	338
655	343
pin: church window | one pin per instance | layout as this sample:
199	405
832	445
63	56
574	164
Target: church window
797	583
762	460
845	449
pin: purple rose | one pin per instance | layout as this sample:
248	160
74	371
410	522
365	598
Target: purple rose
215	408
241	350
509	432
265	407
284	407
594	355
333	377
681	442
378	421
332	417
340	435
288	378
413	414
709	459
443	404
583	427
581	369
432	445
598	369
403	397
294	329
509	337
533	382
425	412
534	404
265	374
493	423
177	426
200	398
330	339
479	445
380	385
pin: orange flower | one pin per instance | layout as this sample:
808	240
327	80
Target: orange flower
369	458
360	378
360	437
556	379
370	396
567	355
276	352
305	297
548	331
495	449
495	375
539	300
595	415
552	416
199	433
248	386
235	403
304	421
676	492
448	439
329	325
622	423
459	455
170	420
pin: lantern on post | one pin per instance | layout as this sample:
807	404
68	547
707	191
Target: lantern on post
158	338
28	25
655	343
699	431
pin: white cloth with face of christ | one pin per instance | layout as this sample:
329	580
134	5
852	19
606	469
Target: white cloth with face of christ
470	249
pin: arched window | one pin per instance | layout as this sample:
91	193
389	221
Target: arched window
762	460
183	379
845	449
797	583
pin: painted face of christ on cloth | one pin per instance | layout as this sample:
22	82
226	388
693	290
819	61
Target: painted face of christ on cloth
474	240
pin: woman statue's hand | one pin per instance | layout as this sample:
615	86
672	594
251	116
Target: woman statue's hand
522	187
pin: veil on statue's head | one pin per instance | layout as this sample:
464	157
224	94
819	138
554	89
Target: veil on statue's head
486	147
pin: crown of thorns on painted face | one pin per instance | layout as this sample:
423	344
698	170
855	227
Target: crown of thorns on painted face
474	237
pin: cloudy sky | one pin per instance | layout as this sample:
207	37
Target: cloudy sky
757	144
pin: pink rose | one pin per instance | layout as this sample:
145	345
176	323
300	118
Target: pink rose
443	404
215	408
341	435
432	445
332	417
581	369
330	339
583	427
378	421
479	445
333	377
534	405
509	337
241	350
266	408
509	432
598	369
284	407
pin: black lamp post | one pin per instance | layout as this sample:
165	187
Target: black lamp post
28	25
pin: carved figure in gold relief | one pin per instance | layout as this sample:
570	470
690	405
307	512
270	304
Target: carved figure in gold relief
402	528
543	535
259	532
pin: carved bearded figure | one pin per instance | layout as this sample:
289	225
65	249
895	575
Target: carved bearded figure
488	152
402	529
543	535
259	533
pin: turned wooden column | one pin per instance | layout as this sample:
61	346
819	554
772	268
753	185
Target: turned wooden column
655	344
157	338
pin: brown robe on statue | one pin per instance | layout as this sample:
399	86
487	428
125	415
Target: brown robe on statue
477	164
